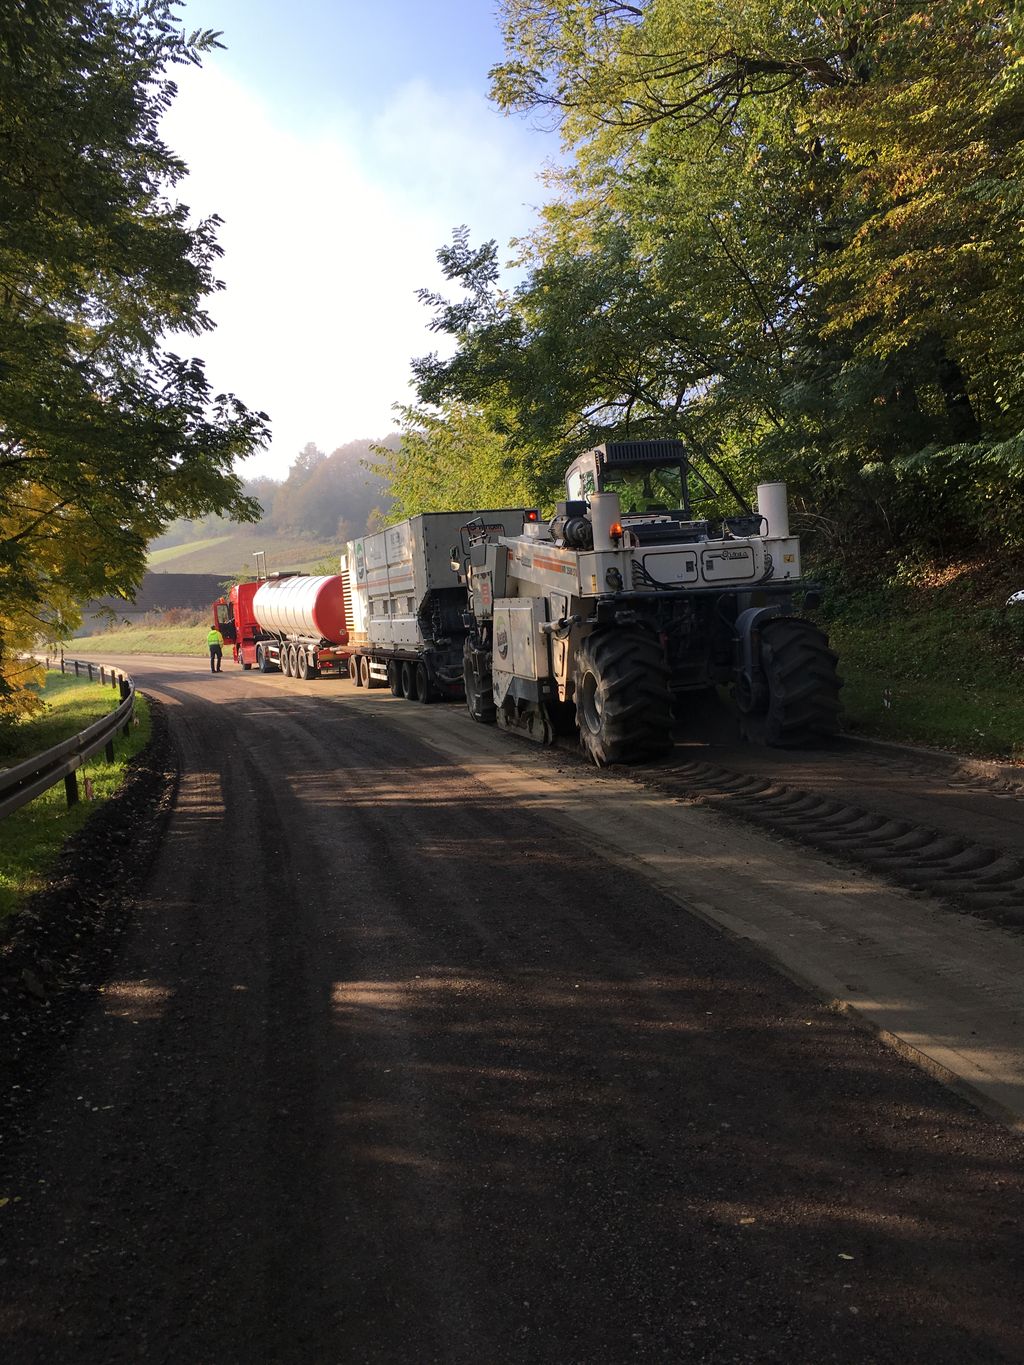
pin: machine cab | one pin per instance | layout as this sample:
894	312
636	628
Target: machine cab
653	483
649	476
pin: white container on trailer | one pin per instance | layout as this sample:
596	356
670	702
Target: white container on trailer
396	568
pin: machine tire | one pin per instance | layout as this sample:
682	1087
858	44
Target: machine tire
364	671
353	670
479	694
261	660
395	677
408	681
284	661
302	664
803	705
293	662
623	708
424	690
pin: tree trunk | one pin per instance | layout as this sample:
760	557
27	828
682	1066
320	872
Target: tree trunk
963	423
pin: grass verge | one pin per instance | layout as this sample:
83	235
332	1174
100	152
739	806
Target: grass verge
936	660
181	640
31	839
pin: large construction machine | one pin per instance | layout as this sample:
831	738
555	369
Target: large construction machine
612	616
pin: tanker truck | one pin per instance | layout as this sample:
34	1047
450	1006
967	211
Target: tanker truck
290	622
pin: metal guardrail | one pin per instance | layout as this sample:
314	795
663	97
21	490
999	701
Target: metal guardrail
26	781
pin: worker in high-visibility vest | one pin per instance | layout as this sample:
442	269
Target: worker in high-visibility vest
216	642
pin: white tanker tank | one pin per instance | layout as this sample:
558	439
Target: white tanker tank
310	608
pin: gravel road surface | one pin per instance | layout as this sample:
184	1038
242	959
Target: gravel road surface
401	1062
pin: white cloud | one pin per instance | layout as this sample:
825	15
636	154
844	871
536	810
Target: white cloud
327	241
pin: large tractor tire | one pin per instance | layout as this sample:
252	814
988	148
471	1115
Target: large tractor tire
623	708
479	693
802	706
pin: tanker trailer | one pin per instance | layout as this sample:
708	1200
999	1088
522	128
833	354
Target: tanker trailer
292	622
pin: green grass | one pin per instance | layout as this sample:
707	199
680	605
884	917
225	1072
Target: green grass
31	839
172	552
939	664
184	640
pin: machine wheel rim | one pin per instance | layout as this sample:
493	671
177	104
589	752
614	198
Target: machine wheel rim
591	702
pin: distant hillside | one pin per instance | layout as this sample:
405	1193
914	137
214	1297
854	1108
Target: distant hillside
326	501
231	555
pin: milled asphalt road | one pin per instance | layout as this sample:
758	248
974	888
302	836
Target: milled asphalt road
398	1065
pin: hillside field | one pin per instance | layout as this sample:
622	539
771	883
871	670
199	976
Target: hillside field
232	554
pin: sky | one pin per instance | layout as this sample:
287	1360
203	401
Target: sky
341	143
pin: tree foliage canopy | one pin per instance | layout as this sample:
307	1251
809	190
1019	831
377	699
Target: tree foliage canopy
790	232
105	433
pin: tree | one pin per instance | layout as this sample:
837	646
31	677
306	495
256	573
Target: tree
790	232
106	434
450	459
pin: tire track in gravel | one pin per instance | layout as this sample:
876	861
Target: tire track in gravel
986	880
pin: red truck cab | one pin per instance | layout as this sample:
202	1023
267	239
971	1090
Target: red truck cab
233	617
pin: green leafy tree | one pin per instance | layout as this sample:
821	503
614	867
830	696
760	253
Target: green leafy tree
790	232
106	434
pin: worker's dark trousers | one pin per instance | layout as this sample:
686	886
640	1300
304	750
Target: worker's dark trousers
215	654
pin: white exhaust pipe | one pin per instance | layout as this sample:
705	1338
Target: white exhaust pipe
773	506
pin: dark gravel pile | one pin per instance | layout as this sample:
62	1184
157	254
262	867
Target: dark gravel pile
59	947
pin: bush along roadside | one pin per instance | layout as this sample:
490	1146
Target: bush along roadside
58	948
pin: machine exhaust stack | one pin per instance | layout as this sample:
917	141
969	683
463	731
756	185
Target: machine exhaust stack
774	507
605	512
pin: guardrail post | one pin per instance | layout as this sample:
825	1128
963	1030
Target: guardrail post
89	667
108	752
71	788
76	669
125	694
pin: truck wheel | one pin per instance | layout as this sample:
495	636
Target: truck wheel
424	691
293	661
302	663
408	681
395	677
261	659
803	688
623	709
282	658
479	694
364	671
353	670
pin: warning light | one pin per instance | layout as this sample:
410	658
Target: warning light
533	516
615	531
